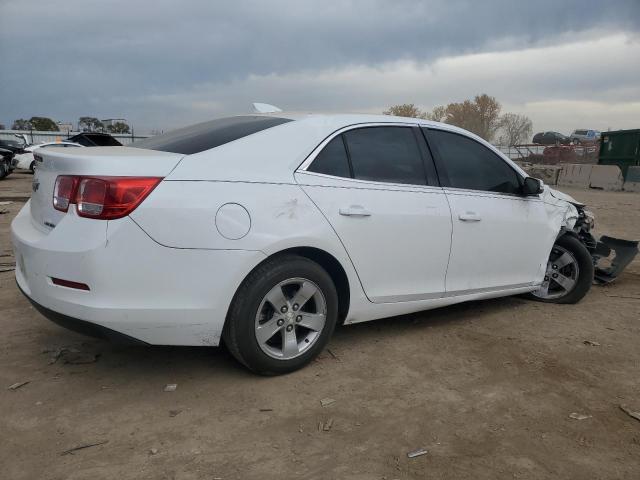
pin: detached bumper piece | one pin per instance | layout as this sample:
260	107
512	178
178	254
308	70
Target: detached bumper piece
624	252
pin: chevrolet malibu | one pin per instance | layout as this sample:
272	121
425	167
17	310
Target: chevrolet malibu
266	231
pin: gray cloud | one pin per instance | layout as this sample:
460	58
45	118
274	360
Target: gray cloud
134	59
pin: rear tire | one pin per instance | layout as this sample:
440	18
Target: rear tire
282	316
4	171
569	273
32	167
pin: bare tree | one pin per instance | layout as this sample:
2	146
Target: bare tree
438	114
480	116
463	115
514	129
488	109
405	110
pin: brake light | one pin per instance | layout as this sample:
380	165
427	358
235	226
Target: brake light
103	198
64	192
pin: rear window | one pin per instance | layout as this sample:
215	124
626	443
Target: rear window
581	132
207	135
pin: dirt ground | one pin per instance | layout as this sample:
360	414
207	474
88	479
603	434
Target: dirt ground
486	387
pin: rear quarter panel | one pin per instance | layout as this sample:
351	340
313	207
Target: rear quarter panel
182	214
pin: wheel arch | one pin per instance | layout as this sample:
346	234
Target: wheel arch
331	265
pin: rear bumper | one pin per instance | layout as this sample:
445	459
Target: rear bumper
82	326
138	288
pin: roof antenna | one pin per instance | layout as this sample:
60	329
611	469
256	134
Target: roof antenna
265	108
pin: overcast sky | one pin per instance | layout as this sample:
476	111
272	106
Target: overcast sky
163	64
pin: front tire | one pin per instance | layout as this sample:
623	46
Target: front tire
282	316
569	273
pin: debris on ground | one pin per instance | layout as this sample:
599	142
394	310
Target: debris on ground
325	402
631	413
266	409
70	355
170	387
2	212
591	343
579	416
335	357
17	385
417	453
82	447
2	204
153	451
327	425
174	413
79	358
633	297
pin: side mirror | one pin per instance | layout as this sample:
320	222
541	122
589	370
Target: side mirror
531	186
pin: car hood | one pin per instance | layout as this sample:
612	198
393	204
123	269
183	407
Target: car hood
550	193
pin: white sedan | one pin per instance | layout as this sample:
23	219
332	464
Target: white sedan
26	160
266	231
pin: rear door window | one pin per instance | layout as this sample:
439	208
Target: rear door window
386	154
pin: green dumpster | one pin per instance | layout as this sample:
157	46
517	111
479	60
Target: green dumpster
621	147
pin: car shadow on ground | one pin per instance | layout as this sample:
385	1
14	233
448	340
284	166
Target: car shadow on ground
178	361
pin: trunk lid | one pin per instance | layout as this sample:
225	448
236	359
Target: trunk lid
94	161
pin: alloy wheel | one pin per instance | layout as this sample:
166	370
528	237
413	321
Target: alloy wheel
561	275
290	318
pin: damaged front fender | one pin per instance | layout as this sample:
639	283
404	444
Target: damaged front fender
610	255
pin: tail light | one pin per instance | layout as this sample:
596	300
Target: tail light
64	192
104	198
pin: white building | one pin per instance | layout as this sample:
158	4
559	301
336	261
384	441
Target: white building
110	122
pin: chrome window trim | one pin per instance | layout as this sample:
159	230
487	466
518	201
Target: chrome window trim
486	193
356	182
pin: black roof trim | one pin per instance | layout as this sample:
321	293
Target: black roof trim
207	135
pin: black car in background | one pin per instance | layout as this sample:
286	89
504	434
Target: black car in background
91	139
8	150
551	138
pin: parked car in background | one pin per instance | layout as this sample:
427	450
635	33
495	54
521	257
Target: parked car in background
551	138
92	139
266	231
7	162
26	160
584	136
8	151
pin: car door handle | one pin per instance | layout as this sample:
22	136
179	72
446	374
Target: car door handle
469	217
354	211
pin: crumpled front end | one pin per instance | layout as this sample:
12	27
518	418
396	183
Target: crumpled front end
610	255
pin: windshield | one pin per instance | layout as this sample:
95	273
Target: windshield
207	135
